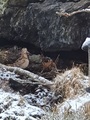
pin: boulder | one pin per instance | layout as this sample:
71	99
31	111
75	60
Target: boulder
51	25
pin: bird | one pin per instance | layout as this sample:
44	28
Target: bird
47	64
22	61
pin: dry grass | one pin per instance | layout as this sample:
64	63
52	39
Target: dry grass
86	109
70	116
70	85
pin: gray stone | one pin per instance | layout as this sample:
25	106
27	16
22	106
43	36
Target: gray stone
37	23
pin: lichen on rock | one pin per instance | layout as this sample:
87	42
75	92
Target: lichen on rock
5	3
3	6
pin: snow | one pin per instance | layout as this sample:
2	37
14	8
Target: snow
76	92
18	107
75	103
15	106
86	43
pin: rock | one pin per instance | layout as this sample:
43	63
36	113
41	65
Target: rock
37	23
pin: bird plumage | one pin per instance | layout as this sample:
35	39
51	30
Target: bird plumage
22	61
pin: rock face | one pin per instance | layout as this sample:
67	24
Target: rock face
51	25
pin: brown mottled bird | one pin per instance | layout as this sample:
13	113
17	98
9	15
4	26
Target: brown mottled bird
48	64
22	61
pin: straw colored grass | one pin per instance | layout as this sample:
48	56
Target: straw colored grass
71	85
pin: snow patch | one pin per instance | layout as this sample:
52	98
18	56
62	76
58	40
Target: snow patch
15	106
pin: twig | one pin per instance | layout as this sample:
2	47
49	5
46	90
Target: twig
72	13
31	76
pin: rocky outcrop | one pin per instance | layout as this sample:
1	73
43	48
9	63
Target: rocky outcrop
51	25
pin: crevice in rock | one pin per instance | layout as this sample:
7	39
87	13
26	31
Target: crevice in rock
35	1
4	43
66	58
68	1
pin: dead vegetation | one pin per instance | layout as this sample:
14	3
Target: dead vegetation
66	84
39	64
59	85
69	83
87	109
75	104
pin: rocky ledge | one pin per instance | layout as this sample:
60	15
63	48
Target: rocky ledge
51	25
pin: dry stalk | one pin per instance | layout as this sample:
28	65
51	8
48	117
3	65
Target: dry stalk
31	76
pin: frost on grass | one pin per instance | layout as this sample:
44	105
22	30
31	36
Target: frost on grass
14	106
76	100
70	85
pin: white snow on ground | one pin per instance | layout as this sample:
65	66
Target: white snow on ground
15	106
76	104
77	108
